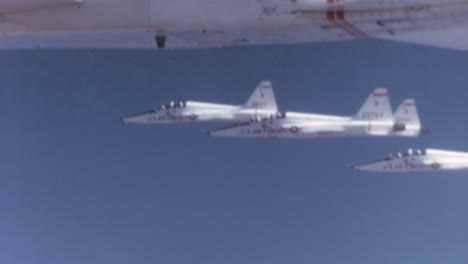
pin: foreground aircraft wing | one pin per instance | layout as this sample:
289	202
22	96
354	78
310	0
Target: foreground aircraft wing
451	38
26	24
13	12
10	8
442	23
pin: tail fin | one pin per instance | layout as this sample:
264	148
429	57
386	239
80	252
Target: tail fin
376	107
262	98
407	121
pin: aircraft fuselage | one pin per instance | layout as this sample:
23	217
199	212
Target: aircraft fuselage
197	111
286	127
417	160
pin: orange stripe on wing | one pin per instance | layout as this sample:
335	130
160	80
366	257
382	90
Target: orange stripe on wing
336	15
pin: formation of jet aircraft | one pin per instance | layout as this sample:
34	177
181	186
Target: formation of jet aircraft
31	24
26	24
374	118
260	117
418	160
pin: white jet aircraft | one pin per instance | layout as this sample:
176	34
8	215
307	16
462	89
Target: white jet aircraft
26	24
375	118
261	104
418	160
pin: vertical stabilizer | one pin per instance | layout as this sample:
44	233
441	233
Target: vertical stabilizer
407	121
262	98
377	107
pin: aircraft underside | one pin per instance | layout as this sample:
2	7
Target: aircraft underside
218	23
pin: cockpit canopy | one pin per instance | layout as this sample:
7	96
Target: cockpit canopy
172	104
407	153
280	115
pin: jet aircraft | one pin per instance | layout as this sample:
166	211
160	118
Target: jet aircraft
26	24
418	160
261	104
374	118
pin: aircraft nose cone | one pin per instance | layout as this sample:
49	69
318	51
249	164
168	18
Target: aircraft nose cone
215	133
223	132
376	166
135	119
359	167
232	131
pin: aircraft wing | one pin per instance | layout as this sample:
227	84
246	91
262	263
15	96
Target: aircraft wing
8	7
26	24
441	23
429	25
453	38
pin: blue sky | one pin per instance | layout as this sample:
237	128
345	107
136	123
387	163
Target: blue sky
77	186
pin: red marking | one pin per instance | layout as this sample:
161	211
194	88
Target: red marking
330	11
379	94
331	16
336	15
340	14
409	104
